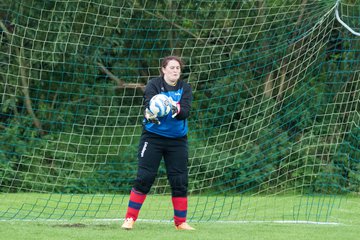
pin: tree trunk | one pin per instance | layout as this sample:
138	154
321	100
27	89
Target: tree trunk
291	49
24	80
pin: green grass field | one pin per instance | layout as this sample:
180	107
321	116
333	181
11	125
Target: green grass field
31	230
36	216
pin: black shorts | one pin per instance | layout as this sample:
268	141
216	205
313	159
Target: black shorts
174	151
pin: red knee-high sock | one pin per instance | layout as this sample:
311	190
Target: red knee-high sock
135	202
180	205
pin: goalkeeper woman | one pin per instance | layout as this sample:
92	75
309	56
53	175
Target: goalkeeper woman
166	138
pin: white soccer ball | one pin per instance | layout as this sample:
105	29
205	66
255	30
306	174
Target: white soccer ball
160	105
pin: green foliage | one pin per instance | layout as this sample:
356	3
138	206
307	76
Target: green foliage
242	138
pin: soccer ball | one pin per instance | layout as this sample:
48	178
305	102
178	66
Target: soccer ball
160	105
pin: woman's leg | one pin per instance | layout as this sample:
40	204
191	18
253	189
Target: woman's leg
149	157
176	159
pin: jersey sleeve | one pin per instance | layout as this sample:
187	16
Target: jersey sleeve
150	91
185	103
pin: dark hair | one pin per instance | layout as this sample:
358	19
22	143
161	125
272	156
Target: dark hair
167	59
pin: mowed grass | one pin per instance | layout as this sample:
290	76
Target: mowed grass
50	216
271	231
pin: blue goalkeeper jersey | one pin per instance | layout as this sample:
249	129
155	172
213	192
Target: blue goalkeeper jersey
181	93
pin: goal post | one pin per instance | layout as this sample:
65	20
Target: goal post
274	126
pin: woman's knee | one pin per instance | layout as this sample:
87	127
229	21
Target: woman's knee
144	183
179	185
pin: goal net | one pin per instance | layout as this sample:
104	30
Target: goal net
274	127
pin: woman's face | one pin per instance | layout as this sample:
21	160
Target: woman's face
172	71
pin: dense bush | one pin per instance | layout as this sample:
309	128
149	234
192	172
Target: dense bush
67	125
